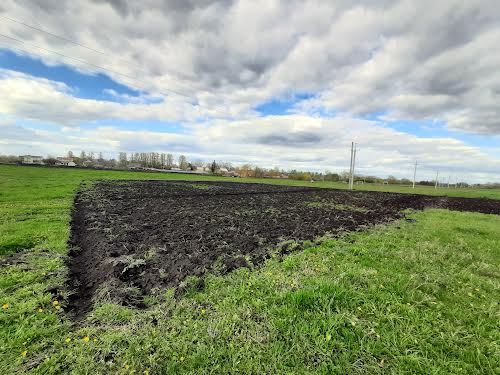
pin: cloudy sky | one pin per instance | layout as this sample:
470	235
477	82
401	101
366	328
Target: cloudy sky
274	83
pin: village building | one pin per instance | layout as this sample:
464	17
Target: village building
65	162
31	159
133	165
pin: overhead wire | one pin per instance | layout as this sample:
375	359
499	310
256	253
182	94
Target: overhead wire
86	62
66	39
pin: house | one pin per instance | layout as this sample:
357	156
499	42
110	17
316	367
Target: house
223	170
65	162
227	173
31	159
134	166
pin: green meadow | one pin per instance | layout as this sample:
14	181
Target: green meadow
418	296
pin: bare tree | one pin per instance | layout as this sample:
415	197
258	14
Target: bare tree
122	159
183	163
70	154
169	161
198	163
154	159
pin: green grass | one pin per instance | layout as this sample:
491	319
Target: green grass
411	297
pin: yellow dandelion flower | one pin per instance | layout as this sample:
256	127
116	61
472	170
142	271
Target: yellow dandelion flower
5	306
24	354
68	339
55	303
86	339
58	307
203	311
95	339
40	310
126	366
181	359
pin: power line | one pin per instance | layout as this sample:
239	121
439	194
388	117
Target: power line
92	64
52	34
127	62
82	61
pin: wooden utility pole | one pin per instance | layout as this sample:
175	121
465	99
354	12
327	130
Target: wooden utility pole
437	176
414	174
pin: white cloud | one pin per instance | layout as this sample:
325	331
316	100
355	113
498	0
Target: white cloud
417	60
407	59
294	141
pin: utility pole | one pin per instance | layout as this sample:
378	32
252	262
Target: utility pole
351	166
354	166
437	176
414	174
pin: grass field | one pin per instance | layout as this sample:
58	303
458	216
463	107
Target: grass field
412	297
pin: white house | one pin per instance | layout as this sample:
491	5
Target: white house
31	159
65	162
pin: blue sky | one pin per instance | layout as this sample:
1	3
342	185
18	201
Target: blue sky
259	89
88	86
95	85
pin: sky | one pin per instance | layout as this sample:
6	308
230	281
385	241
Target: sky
286	84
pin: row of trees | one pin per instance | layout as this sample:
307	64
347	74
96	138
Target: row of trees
147	160
157	160
168	161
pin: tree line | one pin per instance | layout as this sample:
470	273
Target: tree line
167	161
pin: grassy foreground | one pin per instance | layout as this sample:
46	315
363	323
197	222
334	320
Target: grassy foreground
412	297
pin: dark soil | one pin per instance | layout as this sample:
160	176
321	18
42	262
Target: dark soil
131	239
